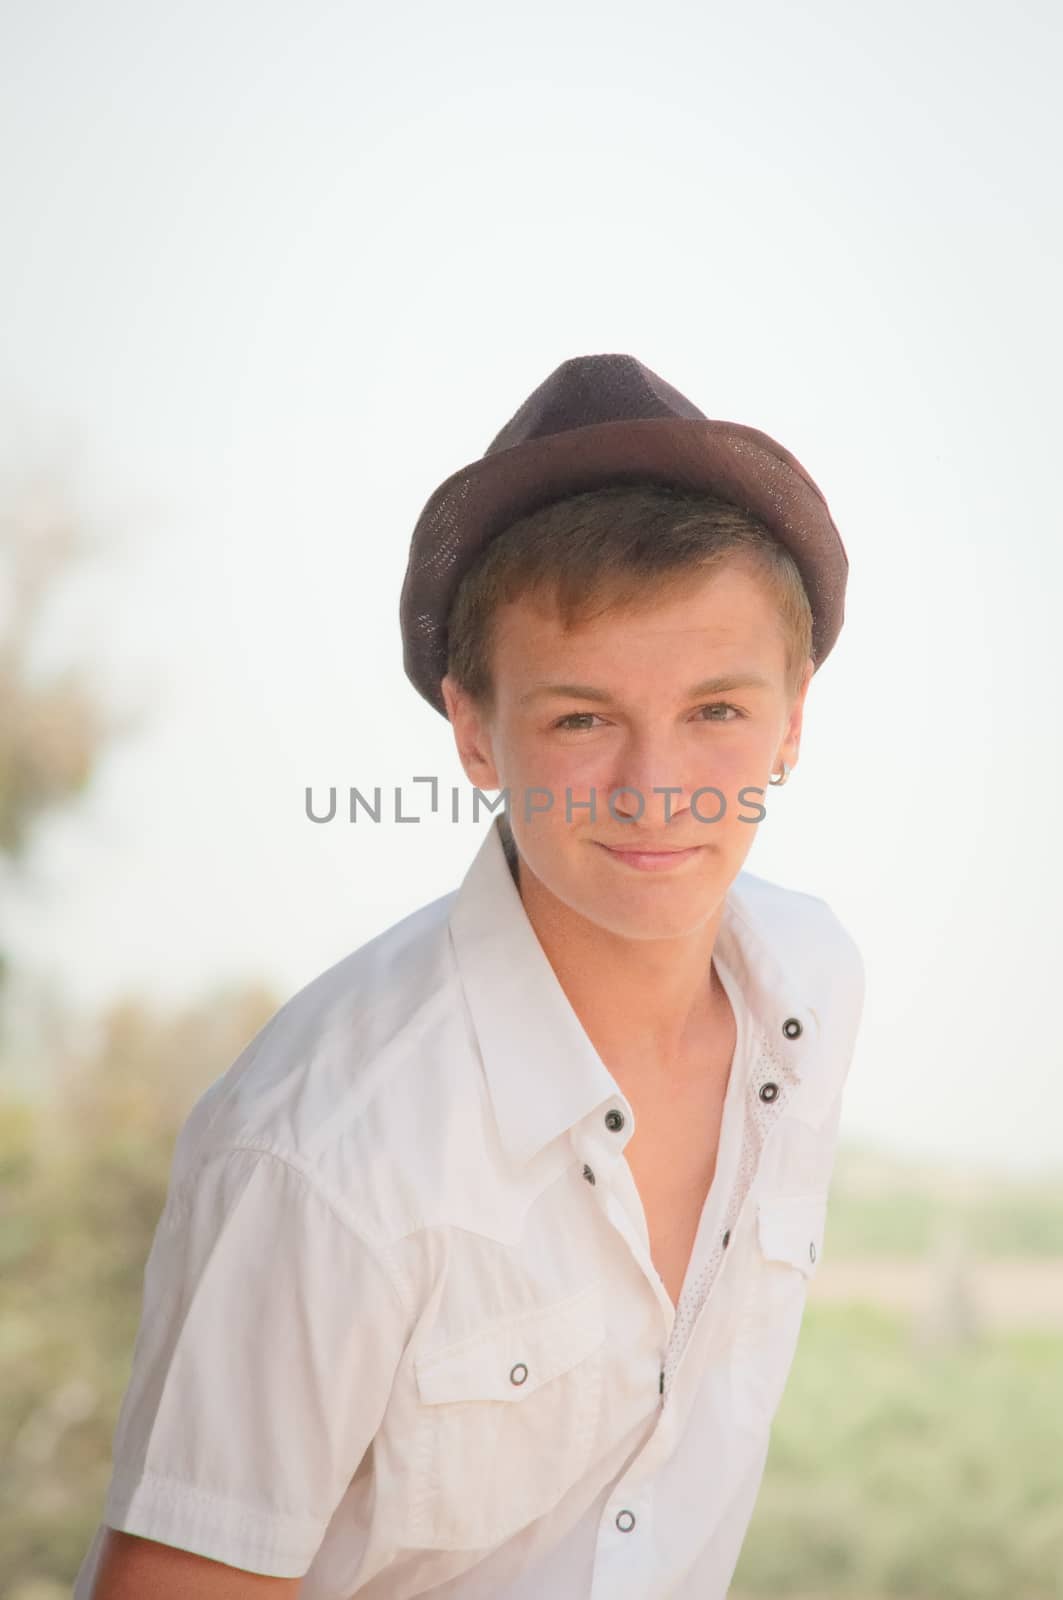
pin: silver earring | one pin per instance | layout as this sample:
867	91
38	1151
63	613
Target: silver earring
780	778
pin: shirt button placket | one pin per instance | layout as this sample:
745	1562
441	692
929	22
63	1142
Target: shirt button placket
792	1028
626	1553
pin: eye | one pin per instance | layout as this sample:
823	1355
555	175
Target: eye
579	721
722	705
573	716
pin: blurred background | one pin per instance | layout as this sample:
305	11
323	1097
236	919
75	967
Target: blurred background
271	272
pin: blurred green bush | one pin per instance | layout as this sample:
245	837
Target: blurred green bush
899	1469
83	1172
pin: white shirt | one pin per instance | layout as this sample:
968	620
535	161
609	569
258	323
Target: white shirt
393	1336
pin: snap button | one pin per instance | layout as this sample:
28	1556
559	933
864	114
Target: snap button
614	1120
727	1238
588	1173
518	1373
792	1028
812	1250
769	1091
625	1521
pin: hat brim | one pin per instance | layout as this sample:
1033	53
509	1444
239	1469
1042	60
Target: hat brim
739	463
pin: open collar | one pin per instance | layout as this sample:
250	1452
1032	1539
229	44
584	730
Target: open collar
543	1073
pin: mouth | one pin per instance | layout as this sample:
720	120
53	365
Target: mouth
651	860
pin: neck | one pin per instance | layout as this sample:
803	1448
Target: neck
647	1005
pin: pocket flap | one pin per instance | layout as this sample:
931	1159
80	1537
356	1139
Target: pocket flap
512	1359
791	1228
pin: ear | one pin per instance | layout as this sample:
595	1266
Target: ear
472	735
789	748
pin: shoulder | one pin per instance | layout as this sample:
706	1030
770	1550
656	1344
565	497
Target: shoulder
340	1064
802	946
808	939
795	915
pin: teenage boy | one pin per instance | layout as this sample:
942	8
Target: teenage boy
481	1270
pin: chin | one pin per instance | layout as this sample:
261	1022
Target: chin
652	922
650	908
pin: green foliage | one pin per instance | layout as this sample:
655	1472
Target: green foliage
883	1206
83	1175
907	1471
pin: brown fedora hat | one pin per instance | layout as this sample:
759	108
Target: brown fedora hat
598	420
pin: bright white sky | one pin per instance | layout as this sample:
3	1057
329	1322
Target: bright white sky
276	270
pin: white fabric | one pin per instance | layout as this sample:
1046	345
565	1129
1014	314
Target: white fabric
394	1340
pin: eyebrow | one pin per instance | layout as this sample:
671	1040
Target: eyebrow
586	691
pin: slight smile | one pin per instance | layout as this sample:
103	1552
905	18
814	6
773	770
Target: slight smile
651	860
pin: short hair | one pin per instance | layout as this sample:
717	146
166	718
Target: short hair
622	546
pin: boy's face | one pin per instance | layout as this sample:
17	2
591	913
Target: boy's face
647	727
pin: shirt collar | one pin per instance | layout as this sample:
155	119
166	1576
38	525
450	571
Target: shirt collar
543	1073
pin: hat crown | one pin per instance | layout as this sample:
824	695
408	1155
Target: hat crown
588	390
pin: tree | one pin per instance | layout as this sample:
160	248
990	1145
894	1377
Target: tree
85	1158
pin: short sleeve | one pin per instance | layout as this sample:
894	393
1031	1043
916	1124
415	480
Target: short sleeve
269	1338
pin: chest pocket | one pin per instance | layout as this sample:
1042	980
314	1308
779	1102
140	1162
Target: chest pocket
505	1424
787	1249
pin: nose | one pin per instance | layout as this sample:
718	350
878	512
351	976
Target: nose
648	786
